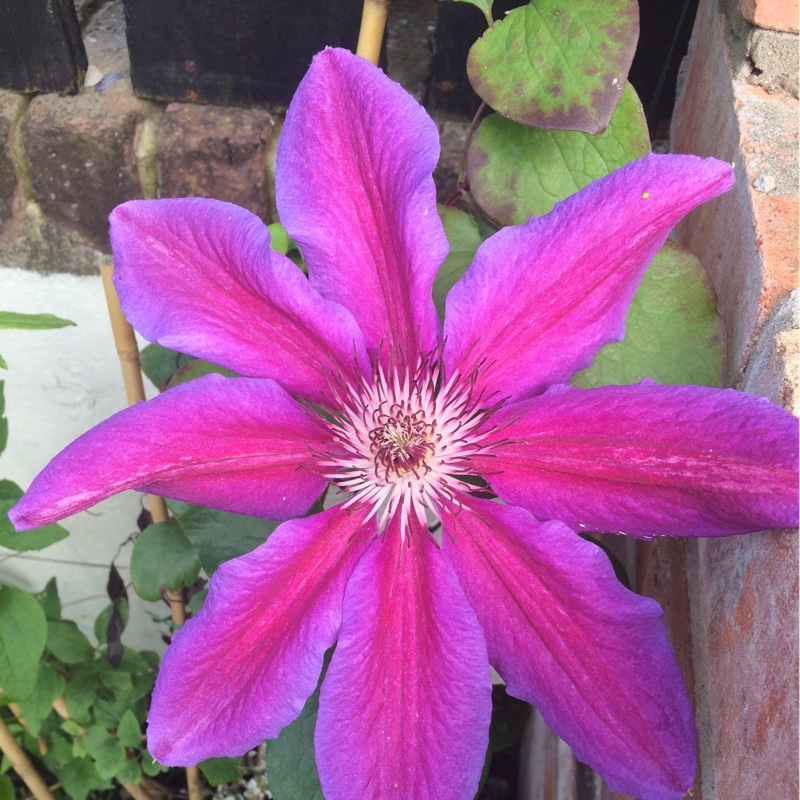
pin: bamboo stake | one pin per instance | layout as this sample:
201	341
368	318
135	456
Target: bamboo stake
128	352
373	24
22	765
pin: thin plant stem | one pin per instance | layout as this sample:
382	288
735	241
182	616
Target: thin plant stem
128	352
22	765
373	24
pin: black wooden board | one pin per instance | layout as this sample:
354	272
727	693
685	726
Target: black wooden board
232	52
41	49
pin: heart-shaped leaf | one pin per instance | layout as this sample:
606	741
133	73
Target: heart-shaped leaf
673	333
515	172
557	63
23	633
163	556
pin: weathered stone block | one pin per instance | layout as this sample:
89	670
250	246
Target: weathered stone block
779	15
82	158
10	108
211	151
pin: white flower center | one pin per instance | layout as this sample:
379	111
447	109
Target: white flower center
403	441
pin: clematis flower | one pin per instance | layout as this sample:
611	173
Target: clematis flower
350	380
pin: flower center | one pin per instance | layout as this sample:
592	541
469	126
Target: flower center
403	441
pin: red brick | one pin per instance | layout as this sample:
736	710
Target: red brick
747	239
82	159
210	151
778	15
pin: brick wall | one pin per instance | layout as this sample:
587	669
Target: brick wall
731	605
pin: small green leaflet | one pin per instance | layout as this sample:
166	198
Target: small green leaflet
32	322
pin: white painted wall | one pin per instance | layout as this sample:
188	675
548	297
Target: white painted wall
60	383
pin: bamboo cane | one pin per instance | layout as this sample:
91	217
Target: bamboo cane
22	765
128	352
373	24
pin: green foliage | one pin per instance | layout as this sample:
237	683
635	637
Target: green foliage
163	556
291	763
219	536
67	643
32	322
673	333
6	788
557	64
220	770
34	539
23	634
464	239
159	364
516	172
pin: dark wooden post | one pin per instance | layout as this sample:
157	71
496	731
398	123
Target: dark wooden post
41	49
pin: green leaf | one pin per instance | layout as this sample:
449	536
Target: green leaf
81	691
291	764
67	642
34	539
130	772
50	601
101	623
23	633
673	333
128	731
3	364
464	239
105	749
218	535
150	766
36	708
159	364
32	322
279	238
163	556
80	777
220	770
6	788
197	369
106	714
515	172
557	63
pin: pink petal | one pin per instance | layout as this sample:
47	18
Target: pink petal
198	276
648	460
354	188
238	444
569	638
405	705
242	669
541	299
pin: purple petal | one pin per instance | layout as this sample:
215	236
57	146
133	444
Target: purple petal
648	460
569	638
405	705
541	299
354	188
238	444
198	276
242	669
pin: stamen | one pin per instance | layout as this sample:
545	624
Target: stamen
403	440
